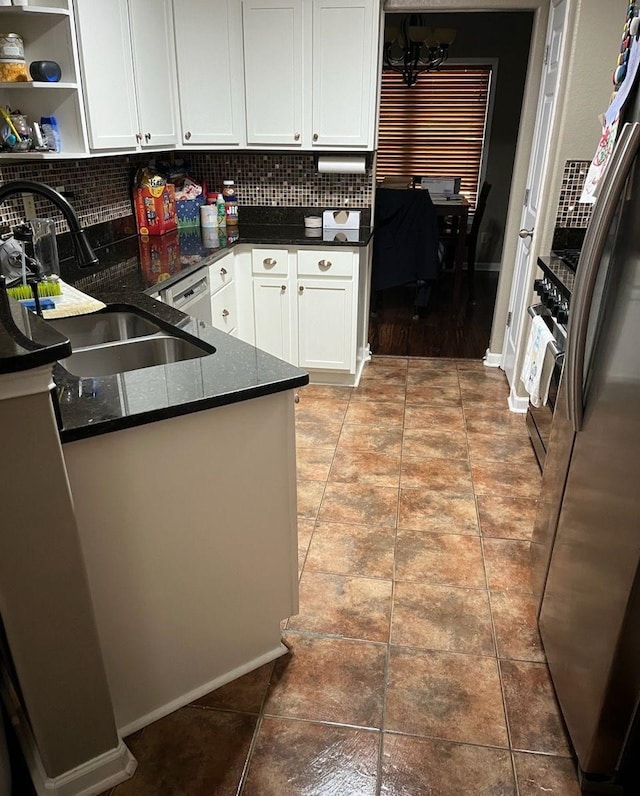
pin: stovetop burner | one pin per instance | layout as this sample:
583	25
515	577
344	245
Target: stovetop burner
569	257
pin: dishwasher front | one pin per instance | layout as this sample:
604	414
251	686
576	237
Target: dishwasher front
191	295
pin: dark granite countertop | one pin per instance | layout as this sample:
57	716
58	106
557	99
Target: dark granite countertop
235	372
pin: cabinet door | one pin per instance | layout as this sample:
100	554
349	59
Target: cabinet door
209	61
345	69
273	66
154	60
107	73
272	317
326	337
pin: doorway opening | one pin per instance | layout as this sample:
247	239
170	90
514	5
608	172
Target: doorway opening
450	325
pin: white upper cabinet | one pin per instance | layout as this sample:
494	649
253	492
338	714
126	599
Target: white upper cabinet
311	72
128	72
345	65
274	72
208	36
155	70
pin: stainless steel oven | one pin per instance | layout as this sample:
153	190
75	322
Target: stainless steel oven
554	291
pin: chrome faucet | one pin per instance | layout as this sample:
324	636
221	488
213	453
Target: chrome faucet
84	253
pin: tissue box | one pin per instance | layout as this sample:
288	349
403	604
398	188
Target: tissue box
341	219
189	211
155	209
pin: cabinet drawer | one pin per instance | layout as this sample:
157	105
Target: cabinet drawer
331	261
223	308
270	261
221	273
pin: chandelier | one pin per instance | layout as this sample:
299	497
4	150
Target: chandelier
413	48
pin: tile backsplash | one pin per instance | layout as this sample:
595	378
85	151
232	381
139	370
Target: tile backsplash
100	188
571	212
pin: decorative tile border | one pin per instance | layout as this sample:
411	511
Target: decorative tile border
99	188
571	212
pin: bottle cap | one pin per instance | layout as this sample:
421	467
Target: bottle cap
227	182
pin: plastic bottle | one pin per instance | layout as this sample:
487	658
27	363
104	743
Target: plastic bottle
220	206
50	132
208	216
230	202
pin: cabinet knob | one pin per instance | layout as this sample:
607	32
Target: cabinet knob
147	136
269	262
225	313
296	137
283	288
315	136
187	135
223	271
525	233
301	288
324	264
138	137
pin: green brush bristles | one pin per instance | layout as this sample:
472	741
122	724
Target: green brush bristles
45	289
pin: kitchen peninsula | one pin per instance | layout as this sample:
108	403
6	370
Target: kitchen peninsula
183	490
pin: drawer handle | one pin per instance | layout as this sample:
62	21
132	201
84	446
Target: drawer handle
301	288
225	313
283	288
296	137
325	264
315	136
269	262
223	272
187	135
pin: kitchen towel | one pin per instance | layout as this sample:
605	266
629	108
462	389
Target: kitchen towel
538	362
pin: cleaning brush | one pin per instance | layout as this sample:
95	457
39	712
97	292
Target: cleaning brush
45	289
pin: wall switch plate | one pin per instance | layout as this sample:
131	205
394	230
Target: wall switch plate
29	206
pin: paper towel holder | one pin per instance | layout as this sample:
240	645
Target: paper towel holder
348	157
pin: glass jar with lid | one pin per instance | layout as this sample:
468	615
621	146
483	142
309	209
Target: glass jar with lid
13	67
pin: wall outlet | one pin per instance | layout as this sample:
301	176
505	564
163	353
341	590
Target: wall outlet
29	206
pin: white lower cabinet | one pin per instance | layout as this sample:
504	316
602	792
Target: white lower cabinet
326	334
272	310
308	306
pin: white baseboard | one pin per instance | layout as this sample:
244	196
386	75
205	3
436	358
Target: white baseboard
185	699
518	404
492	360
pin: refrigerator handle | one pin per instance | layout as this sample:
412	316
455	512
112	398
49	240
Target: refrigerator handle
589	266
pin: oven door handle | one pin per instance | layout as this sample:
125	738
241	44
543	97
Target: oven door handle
537	310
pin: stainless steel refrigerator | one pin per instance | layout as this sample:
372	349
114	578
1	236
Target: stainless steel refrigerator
586	545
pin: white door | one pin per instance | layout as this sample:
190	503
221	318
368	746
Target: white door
107	73
210	74
272	317
274	73
546	103
344	65
154	60
325	329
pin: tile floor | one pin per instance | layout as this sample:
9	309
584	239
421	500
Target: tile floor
415	663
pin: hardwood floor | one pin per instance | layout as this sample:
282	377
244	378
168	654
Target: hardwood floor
442	330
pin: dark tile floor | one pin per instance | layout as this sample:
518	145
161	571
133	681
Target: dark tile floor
415	664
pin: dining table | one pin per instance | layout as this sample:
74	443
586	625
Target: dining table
456	208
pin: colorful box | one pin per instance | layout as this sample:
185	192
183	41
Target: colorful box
155	208
159	257
188	211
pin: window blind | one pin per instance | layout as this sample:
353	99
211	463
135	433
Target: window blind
435	128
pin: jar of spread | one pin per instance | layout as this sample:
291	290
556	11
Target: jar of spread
13	68
230	202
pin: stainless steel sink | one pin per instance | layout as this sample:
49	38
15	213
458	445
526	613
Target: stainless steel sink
104	327
126	355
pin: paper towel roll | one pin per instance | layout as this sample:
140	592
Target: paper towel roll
335	164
